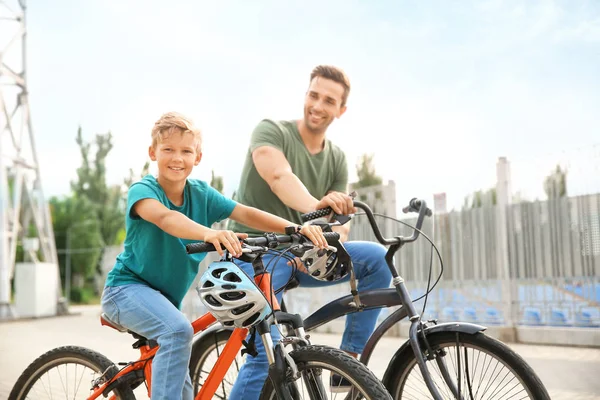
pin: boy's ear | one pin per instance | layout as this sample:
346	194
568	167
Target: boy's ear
198	158
152	153
342	111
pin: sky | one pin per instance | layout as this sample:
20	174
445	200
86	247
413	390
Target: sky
440	89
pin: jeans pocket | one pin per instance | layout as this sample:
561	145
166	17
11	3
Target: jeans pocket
108	304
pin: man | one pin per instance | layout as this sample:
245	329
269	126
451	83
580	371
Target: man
290	169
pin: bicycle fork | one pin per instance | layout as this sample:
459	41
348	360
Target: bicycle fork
413	332
280	362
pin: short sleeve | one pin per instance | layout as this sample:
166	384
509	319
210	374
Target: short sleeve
219	206
266	133
139	191
340	180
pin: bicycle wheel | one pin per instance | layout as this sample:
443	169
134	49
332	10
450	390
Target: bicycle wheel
316	364
479	367
204	355
65	372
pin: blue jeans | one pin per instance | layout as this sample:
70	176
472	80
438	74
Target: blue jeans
147	312
372	272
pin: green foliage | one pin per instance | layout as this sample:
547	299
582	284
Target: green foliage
481	198
555	184
91	184
216	182
366	173
83	295
75	220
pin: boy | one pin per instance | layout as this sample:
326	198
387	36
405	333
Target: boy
144	290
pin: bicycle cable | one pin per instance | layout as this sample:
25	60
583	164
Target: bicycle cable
433	247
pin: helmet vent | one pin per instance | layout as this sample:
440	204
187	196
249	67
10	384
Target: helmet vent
232	296
217	272
208	284
242	309
212	301
251	320
231	277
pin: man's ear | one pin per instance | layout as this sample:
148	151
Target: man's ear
152	153
342	111
198	158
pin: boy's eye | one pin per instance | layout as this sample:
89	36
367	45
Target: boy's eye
187	151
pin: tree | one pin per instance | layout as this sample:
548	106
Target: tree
366	173
217	182
91	184
555	184
480	198
74	219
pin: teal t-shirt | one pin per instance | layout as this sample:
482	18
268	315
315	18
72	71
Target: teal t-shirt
152	256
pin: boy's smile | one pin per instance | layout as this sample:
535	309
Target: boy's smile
175	157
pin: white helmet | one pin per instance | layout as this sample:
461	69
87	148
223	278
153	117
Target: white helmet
324	265
232	296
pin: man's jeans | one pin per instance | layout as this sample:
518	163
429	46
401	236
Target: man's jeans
372	272
147	312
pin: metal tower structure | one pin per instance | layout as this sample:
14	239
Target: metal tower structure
24	213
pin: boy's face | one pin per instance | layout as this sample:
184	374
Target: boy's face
176	156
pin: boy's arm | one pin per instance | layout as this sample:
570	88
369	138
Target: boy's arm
176	224
263	221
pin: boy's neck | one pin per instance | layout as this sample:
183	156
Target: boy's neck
173	190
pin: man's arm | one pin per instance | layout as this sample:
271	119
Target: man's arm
274	168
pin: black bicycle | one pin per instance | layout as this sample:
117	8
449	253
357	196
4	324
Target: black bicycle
453	360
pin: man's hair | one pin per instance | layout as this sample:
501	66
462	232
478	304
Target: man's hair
336	75
172	122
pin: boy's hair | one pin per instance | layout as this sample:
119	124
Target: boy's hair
173	122
335	74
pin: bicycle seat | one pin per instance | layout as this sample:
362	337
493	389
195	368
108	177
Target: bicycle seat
104	320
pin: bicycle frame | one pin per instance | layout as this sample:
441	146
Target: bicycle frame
144	364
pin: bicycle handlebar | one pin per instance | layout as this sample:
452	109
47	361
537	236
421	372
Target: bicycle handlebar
415	205
269	240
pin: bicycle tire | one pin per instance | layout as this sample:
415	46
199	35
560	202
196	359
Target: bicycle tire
322	357
57	357
205	346
480	344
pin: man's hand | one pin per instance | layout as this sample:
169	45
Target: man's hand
229	239
341	203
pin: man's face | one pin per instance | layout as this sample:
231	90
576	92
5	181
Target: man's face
323	103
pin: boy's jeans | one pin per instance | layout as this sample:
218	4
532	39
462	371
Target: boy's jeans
371	271
148	313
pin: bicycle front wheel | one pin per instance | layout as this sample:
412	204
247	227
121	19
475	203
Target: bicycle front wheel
65	373
316	364
479	367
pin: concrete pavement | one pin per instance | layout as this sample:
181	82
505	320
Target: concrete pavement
568	373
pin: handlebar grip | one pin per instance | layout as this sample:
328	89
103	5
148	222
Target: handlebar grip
323	212
415	205
331	237
199	247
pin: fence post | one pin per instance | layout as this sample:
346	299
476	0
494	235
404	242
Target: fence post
503	199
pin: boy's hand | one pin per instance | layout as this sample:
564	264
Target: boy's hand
341	203
229	239
315	234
